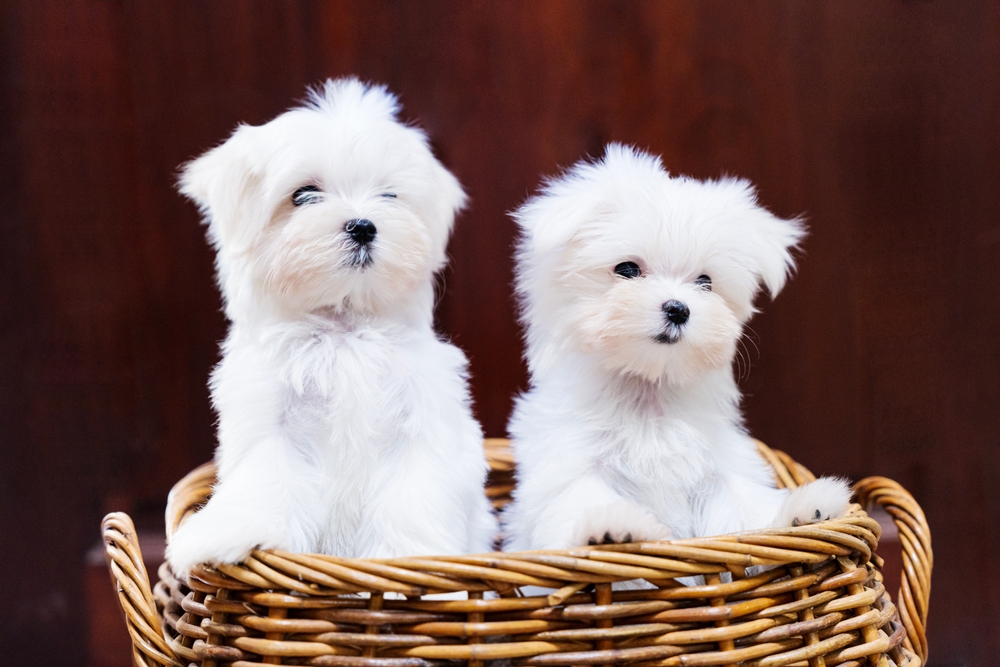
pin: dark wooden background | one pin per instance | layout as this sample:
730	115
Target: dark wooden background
879	121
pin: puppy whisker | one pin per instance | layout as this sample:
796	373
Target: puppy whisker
747	331
743	356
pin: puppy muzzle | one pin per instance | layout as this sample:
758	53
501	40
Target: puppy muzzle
676	313
670	335
362	234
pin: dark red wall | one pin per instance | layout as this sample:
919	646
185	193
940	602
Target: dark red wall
879	121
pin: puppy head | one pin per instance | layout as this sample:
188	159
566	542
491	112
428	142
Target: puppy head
331	205
652	275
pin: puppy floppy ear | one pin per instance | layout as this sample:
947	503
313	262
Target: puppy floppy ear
549	220
226	186
764	242
772	240
568	203
439	199
452	197
449	198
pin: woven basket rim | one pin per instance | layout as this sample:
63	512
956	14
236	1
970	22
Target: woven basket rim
856	531
828	568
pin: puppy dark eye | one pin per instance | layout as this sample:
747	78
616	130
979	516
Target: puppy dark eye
307	194
704	282
390	195
628	270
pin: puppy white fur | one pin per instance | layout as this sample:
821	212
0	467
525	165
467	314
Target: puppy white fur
344	421
635	286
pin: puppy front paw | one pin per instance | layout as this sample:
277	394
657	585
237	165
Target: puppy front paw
201	539
821	500
619	523
611	537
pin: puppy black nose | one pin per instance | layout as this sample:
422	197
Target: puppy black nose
361	231
676	311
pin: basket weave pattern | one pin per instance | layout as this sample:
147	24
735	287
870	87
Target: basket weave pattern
818	600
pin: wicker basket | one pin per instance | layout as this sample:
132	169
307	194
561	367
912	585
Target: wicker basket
820	602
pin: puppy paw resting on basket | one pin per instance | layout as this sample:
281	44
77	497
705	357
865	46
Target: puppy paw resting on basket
344	421
635	286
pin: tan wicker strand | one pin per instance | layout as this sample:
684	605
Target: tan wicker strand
918	556
188	495
129	576
810	595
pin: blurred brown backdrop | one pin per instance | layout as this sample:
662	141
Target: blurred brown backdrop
879	121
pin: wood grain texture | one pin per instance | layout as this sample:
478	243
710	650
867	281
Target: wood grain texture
877	121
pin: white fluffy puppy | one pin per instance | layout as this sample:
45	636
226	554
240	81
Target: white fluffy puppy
635	286
345	424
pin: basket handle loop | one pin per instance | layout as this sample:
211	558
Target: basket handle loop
121	550
918	557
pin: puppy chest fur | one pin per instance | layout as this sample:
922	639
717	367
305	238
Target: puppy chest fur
658	449
345	402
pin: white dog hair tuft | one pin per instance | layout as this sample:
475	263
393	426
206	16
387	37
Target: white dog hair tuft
336	95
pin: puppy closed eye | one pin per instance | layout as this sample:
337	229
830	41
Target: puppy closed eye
704	282
628	270
388	195
307	194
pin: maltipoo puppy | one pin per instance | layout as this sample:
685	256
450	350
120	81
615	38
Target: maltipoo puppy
635	286
344	420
